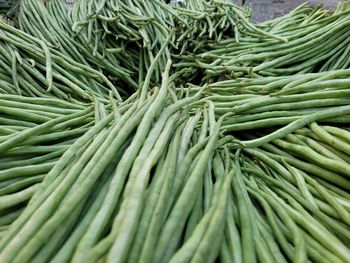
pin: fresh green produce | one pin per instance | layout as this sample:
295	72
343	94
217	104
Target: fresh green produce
148	131
9	7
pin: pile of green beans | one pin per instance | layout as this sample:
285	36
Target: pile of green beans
52	25
146	131
302	54
121	39
33	67
34	134
114	158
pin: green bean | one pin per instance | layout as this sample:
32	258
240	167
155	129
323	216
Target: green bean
337	226
152	227
125	208
271	217
56	136
132	109
29	151
216	225
301	184
157	104
345	216
306	152
341	133
186	252
77	195
46	251
21	105
318	147
10	217
65	159
7	131
310	168
195	215
311	86
8	121
325	136
183	203
21	184
246	224
232	235
67	250
271	243
27	115
10	200
25	171
299	241
100	185
317	230
35	130
188	160
324	114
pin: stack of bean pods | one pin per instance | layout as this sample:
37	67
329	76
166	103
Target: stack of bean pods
304	29
32	67
122	39
148	131
34	133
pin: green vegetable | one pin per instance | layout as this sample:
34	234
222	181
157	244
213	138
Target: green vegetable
147	131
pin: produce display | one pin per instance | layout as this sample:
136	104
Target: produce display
173	131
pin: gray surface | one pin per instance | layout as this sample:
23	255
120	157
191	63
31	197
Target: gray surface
268	9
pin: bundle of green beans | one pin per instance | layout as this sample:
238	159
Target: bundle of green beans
302	54
146	131
52	25
34	134
293	217
304	169
32	67
132	33
122	38
115	158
